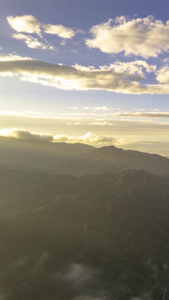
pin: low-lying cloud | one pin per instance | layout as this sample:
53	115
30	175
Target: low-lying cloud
79	275
156	143
88	138
25	135
84	280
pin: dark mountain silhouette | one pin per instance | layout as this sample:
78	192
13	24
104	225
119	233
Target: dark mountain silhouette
93	237
76	159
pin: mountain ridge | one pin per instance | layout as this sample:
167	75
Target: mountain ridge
77	159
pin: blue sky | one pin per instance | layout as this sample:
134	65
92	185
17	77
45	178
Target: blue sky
87	60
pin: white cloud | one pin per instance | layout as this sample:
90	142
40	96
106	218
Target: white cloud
63	43
60	30
125	132
77	123
96	108
137	67
12	57
83	68
29	24
166	60
88	138
160	146
101	123
25	134
93	108
32	42
122	114
145	37
93	138
163	75
126	81
154	114
26	23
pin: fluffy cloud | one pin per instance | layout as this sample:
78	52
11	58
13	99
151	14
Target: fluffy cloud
137	67
31	42
111	78
152	146
12	57
145	37
26	23
163	75
60	30
93	138
88	138
29	24
124	132
25	134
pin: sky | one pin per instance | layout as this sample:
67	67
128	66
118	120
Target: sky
88	71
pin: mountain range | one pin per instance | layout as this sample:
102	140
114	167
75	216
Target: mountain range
76	159
82	223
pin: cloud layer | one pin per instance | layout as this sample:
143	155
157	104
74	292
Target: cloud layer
95	139
145	37
88	138
117	77
150	115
